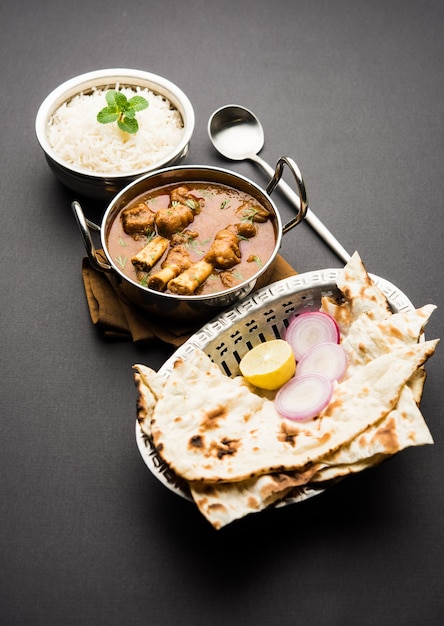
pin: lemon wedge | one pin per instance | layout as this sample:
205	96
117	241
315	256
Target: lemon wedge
269	365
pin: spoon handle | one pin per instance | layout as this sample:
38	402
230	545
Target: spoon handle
310	217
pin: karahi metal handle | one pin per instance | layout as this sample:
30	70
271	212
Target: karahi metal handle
302	201
310	217
85	225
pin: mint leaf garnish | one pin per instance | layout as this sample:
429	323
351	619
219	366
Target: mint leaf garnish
122	110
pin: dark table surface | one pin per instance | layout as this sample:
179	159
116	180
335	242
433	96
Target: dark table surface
353	91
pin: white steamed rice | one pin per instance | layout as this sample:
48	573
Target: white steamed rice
80	140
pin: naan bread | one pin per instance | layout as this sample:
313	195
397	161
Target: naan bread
150	386
240	457
367	338
223	503
360	294
401	428
210	428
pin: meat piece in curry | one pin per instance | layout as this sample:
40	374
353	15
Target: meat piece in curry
173	219
245	230
254	212
224	253
138	221
182	195
179	214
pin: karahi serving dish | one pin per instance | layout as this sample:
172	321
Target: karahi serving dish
261	317
196	306
104	185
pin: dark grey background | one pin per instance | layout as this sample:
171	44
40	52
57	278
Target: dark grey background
353	91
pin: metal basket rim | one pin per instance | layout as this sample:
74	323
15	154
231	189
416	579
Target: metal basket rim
267	295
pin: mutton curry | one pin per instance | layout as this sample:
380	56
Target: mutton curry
194	238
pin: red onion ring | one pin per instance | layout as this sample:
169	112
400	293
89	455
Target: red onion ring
304	396
325	358
309	329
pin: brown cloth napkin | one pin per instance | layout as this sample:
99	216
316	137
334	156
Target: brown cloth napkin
116	318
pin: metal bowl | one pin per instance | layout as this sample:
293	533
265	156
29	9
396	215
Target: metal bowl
98	185
173	306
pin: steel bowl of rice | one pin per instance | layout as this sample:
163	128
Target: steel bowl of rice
96	159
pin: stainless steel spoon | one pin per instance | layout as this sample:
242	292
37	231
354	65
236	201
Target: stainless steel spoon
237	134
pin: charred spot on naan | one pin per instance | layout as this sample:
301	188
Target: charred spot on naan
196	441
286	437
215	448
340	311
385	435
289	432
211	417
225	447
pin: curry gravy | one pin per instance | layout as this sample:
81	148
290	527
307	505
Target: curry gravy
219	206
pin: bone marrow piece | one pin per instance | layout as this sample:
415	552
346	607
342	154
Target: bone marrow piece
188	281
150	254
177	261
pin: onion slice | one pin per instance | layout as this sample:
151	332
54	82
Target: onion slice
326	358
309	329
304	396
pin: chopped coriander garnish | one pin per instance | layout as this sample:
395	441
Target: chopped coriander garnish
192	204
121	260
249	214
144	280
195	245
